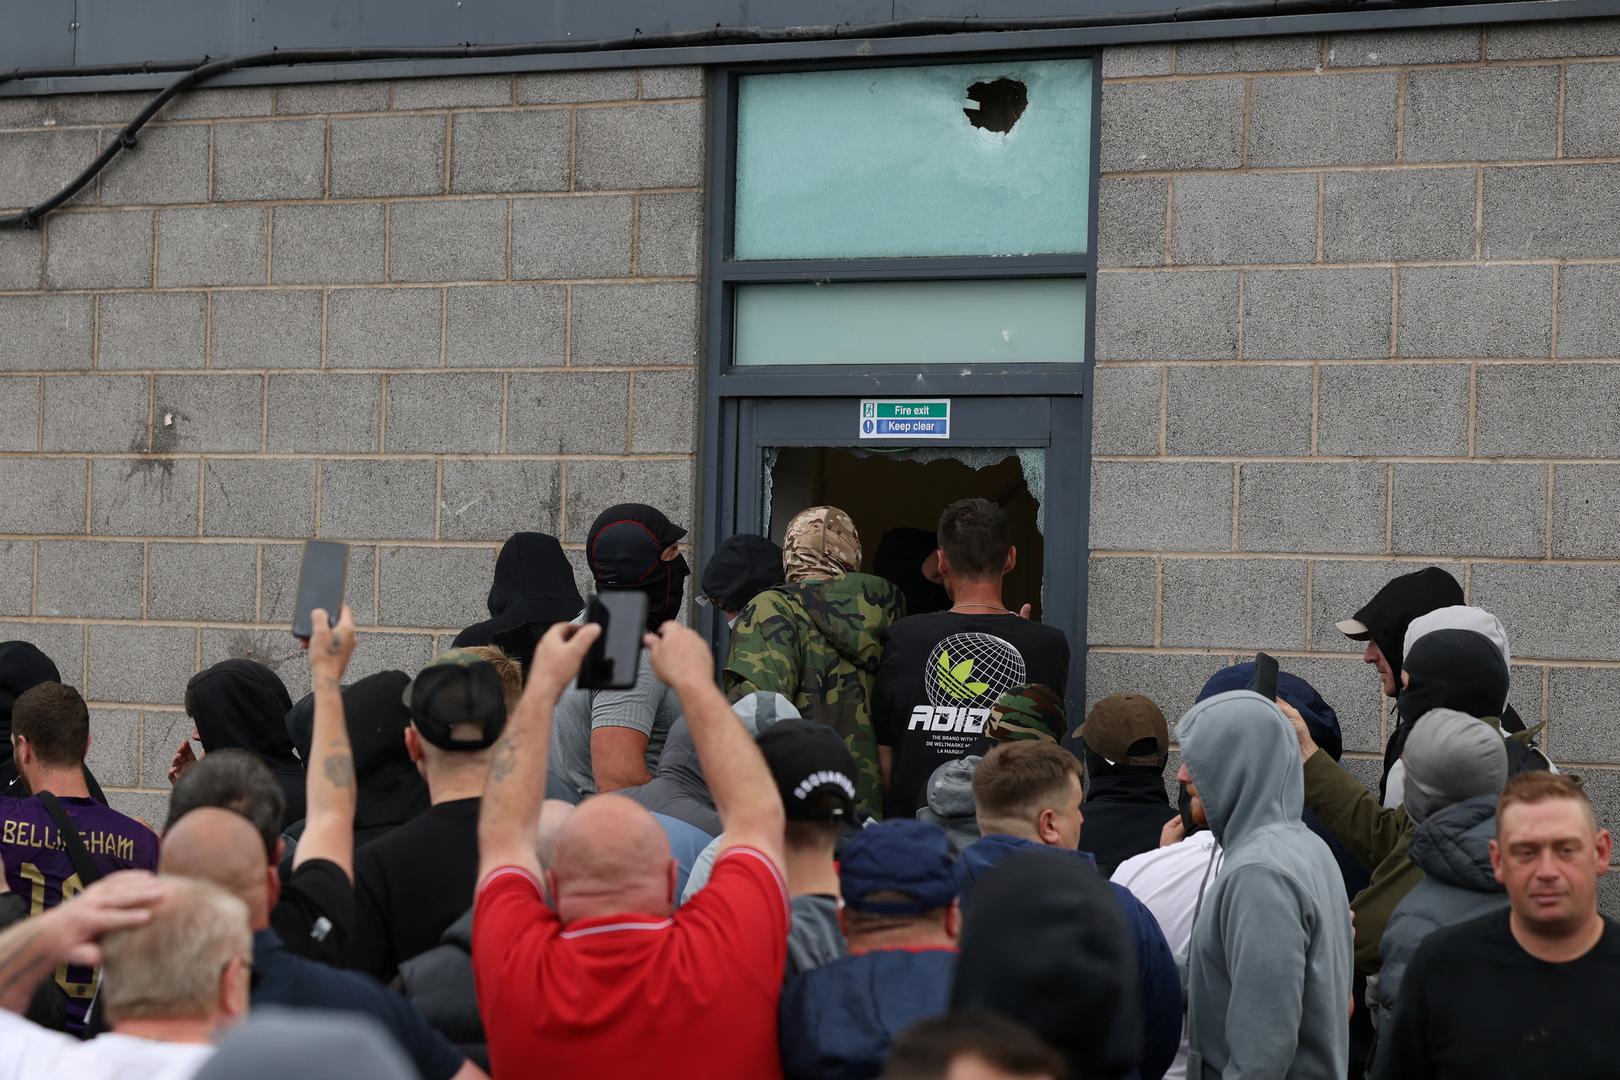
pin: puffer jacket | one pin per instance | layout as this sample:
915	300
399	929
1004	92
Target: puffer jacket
439	984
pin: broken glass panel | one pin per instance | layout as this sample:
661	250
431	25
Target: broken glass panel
963	159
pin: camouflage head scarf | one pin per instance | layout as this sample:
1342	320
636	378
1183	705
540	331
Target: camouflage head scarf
1026	712
821	542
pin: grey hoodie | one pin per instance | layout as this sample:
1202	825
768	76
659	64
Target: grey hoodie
1270	960
950	801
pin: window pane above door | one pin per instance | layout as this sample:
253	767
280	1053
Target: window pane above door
966	159
1013	321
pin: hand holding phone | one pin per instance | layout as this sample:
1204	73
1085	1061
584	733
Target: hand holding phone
1264	679
320	584
614	659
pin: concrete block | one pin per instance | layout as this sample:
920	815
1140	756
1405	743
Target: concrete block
1167	316
278	582
149	664
378	500
1586	512
19	413
491	500
1125	406
146	331
1554	211
1313	506
391	652
166	165
1494	311
270	498
1249	54
388	155
1539	410
47	495
34	165
283	159
505	326
669	233
1243	604
99	251
1351	690
1557	611
21	256
147	807
510	151
444	414
1326	120
434	586
1481	114
593	486
1317	314
383	328
1388	48
672	82
1406	410
665	412
162	732
572	238
324	413
635	324
1588	312
143	496
1121	595
1244	218
107	108
460	240
91	413
224	102
1153	127
1132	221
115	746
95	578
562	87
1591	101
645	147
1537	40
582	571
212	245
1470	508
61	641
322	98
1124	61
1171	680
16	577
454	91
1239	411
1339	589
568	413
278	328
328	245
208	413
1583	704
46	333
1161	506
202	582
1398	216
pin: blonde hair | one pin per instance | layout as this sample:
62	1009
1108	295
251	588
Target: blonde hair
170	968
510	671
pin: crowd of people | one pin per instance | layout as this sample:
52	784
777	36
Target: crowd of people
865	842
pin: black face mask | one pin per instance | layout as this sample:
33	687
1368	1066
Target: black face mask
1185	801
1453	669
666	602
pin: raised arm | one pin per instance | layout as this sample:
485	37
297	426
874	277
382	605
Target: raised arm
509	816
744	792
329	784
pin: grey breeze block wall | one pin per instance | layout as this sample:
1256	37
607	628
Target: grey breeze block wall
418	316
1357	313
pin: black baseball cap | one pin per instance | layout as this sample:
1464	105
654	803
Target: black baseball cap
457	687
742	567
814	770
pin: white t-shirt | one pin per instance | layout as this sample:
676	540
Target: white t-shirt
32	1052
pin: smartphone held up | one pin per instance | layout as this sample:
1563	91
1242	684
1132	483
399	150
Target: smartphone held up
321	579
614	658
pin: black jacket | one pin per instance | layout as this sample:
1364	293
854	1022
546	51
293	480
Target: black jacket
439	984
1123	816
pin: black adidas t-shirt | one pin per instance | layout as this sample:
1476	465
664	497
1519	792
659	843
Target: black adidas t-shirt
941	672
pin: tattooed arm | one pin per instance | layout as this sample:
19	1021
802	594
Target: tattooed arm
509	817
32	949
329	784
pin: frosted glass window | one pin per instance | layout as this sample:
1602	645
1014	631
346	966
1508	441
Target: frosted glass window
966	159
1013	321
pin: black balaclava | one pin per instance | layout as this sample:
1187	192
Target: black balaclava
22	667
243	704
625	550
391	790
534	590
1453	669
899	558
1392	609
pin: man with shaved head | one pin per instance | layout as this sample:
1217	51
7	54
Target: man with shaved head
597	967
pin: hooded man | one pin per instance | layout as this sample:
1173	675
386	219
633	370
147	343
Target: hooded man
242	704
818	639
741	568
1127	745
1268	983
605	740
533	590
23	667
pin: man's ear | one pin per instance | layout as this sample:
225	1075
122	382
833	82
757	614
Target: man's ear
953	919
1046	826
1496	862
1605	848
413	743
1012	559
21	750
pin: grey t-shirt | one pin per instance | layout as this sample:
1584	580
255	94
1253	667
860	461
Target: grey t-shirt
649	707
814	938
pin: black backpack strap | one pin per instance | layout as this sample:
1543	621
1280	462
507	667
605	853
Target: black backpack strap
71	841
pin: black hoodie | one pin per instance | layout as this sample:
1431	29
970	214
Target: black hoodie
22	667
242	703
533	590
625	549
1392	609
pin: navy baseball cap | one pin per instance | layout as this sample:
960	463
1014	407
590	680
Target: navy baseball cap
905	856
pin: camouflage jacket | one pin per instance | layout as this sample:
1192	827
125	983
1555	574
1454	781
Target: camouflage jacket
819	643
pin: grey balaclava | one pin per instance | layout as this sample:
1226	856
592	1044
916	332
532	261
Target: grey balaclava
1451	756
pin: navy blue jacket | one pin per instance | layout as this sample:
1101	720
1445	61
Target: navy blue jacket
1155	964
838	1020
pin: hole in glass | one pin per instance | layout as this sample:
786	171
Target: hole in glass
1001	102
